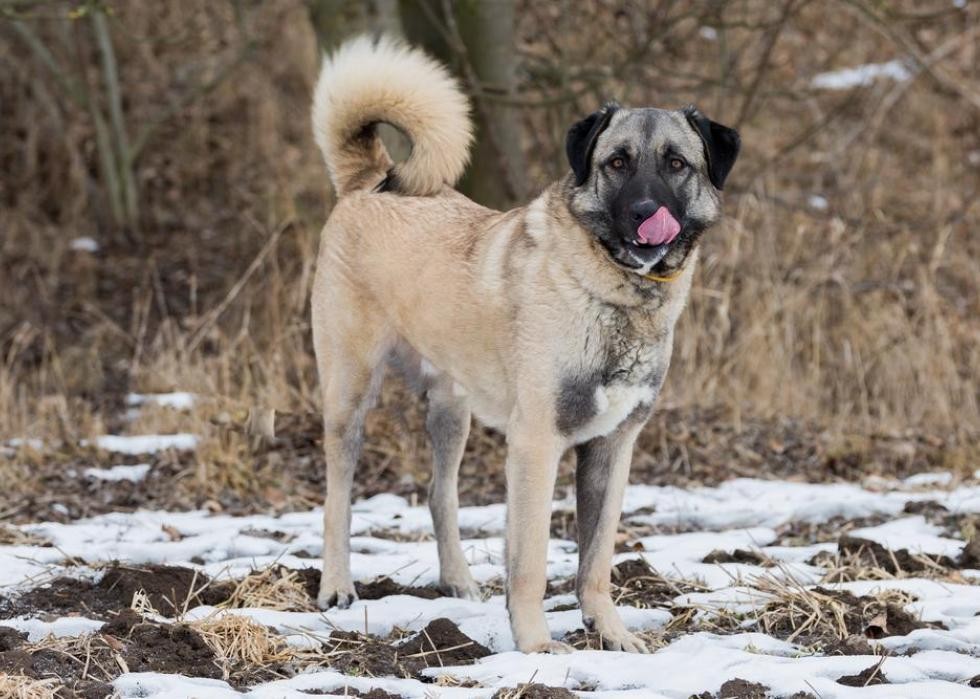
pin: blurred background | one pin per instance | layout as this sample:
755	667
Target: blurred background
161	201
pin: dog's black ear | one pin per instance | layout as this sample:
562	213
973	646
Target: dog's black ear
581	139
721	145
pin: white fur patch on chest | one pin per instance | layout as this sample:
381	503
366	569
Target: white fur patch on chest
613	404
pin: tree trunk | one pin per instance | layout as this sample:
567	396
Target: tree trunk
477	43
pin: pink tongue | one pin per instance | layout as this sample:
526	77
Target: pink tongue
659	229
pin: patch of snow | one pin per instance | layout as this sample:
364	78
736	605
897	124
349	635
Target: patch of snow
133	473
739	514
708	33
815	201
65	627
861	76
84	244
923	479
178	400
145	444
912	533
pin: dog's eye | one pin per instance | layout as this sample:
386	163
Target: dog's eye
617	163
676	164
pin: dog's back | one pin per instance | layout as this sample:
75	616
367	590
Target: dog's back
372	80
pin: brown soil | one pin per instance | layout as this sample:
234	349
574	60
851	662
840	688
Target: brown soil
45	663
867	677
373	589
533	691
168	648
863	616
385	586
863	552
738	556
167	588
638	585
11	639
737	689
970	555
359	654
440	644
808	533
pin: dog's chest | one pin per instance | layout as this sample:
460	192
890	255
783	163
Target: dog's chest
595	402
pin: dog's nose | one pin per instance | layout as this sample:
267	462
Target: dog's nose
642	210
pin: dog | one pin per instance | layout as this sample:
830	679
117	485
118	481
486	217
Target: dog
552	322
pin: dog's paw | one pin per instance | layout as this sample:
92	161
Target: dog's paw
615	636
339	595
553	647
467	590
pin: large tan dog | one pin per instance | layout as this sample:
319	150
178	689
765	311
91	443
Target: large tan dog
552	322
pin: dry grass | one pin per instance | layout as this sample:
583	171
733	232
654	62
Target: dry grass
278	589
20	687
859	317
243	645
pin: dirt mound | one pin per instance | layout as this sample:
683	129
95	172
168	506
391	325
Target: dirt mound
11	638
854	554
970	555
533	691
440	644
168	588
641	586
373	589
168	648
867	677
358	654
737	689
738	556
46	663
834	621
385	587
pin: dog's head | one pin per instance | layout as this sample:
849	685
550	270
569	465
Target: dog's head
646	182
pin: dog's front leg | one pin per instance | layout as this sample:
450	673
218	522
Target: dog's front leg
532	466
600	478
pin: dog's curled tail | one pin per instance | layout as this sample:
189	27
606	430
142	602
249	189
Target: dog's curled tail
372	80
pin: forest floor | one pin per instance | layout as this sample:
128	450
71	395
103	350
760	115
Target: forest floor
777	583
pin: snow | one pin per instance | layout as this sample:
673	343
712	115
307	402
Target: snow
815	201
862	76
913	533
738	514
145	444
84	244
178	400
133	473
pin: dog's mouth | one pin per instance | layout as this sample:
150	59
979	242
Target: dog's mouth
650	242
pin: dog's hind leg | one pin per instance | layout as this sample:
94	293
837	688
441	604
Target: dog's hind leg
448	425
600	478
350	354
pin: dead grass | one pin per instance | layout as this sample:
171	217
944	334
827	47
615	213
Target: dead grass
858	318
242	645
276	588
21	687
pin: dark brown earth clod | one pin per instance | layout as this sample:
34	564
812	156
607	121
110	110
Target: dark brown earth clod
533	691
168	589
867	677
440	644
11	638
742	689
738	556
